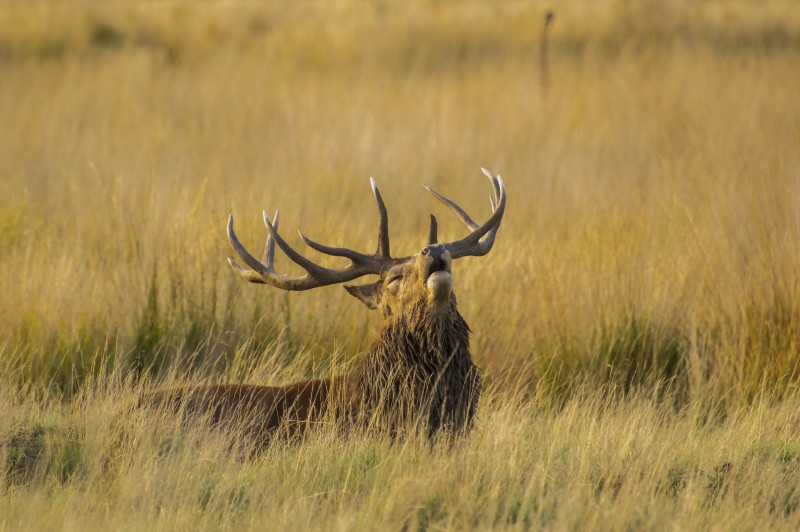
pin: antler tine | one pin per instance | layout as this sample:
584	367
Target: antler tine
383	225
269	248
463	216
316	271
433	233
257	267
495	179
381	253
481	239
354	256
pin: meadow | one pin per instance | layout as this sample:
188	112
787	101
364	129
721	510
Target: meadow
637	323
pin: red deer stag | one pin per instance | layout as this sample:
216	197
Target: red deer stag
417	373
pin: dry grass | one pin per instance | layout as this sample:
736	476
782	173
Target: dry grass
596	463
652	236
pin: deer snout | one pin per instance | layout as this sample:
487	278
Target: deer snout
438	259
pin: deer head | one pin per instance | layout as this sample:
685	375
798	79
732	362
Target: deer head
421	281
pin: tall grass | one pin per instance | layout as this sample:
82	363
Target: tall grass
597	462
649	252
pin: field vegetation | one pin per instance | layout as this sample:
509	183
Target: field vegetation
637	324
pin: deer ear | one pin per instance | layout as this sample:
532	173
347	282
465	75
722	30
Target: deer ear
369	294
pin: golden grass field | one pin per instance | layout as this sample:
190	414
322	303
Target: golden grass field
637	323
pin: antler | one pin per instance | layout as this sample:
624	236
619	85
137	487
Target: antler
481	239
316	276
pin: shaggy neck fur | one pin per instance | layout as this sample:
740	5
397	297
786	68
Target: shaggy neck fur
419	373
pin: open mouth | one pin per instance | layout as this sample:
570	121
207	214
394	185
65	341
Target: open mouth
437	265
438	281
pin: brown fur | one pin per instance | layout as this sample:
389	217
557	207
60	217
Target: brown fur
418	373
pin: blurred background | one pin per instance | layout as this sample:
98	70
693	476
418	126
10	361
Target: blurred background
650	151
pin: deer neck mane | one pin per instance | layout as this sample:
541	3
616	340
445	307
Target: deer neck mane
422	341
418	370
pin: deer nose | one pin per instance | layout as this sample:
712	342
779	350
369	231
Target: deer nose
435	251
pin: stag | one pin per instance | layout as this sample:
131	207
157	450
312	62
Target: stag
417	374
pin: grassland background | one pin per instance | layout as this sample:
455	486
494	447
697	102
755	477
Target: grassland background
638	322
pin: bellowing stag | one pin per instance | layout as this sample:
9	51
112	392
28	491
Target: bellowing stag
418	373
